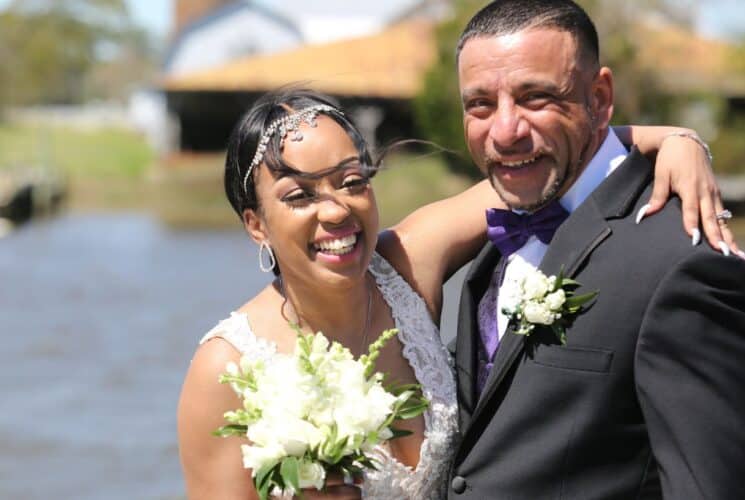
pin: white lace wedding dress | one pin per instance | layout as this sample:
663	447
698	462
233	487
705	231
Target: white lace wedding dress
433	367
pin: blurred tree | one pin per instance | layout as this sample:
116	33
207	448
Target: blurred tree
728	145
437	109
50	47
639	96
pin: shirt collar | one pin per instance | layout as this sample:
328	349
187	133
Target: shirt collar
610	155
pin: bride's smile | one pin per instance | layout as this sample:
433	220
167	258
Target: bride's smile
336	249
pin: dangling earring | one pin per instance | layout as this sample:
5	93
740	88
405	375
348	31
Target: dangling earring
264	247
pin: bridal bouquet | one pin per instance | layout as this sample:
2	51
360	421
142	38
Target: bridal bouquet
313	412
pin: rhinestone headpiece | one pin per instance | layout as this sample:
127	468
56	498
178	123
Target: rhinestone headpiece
283	126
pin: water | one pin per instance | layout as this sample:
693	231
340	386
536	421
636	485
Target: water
99	317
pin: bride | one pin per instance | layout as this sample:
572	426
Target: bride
298	174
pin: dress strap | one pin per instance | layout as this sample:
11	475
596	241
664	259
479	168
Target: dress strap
236	330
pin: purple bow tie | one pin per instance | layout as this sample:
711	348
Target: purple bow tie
509	231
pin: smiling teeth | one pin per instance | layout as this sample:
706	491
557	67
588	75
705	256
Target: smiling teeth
519	163
338	246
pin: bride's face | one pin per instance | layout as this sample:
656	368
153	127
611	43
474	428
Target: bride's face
322	229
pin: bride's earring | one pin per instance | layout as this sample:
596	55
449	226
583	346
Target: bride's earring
264	247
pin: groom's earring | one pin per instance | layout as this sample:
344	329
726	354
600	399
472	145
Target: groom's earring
264	247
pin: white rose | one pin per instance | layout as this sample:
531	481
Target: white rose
360	413
282	389
311	474
293	435
258	457
538	313
535	285
551	281
555	300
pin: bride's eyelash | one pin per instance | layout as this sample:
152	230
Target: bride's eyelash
356	182
298	199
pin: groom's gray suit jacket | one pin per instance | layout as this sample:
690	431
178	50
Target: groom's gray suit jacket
646	400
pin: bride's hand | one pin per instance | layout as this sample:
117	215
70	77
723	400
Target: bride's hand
682	165
335	489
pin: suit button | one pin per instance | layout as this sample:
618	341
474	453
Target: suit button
458	484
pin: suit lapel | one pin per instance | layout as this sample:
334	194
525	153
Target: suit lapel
575	240
572	244
467	340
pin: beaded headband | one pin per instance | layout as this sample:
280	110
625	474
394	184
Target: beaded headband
285	125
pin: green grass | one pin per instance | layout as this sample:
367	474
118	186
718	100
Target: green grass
410	181
114	169
729	149
106	152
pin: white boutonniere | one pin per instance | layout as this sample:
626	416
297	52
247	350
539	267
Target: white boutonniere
532	298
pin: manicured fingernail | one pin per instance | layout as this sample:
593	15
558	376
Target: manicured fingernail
642	212
695	237
724	248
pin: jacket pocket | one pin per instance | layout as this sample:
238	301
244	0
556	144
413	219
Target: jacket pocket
574	358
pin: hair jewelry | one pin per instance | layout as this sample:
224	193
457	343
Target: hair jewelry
283	126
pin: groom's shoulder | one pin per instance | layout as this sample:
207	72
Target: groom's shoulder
658	237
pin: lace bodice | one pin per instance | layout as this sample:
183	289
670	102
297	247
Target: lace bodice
433	367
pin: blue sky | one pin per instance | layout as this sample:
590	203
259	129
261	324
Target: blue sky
717	17
154	15
722	18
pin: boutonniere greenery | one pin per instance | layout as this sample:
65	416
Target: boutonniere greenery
532	298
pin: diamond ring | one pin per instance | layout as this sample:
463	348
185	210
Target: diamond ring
724	215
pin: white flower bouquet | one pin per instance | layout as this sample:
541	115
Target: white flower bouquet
313	412
532	298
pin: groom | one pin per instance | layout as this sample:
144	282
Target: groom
647	397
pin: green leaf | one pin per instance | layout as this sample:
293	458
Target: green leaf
263	480
559	280
560	332
412	411
579	300
290	473
397	433
335	450
231	430
264	474
397	390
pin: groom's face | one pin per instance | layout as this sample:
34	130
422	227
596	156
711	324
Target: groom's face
533	112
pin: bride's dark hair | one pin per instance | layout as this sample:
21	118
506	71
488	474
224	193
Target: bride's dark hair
246	135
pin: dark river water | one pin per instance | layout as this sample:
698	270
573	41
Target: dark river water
99	317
